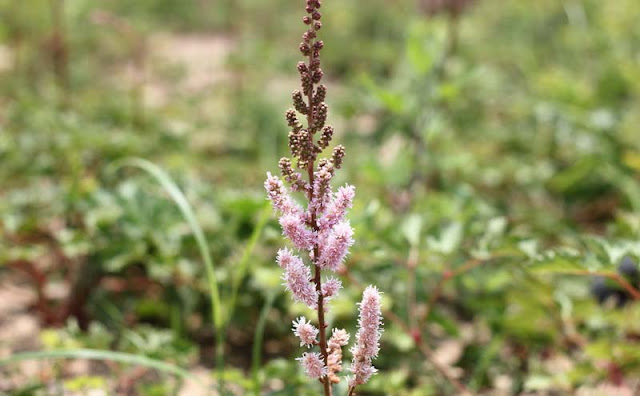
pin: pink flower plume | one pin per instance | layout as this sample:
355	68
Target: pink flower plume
330	287
279	197
313	365
336	246
367	343
337	208
294	228
297	277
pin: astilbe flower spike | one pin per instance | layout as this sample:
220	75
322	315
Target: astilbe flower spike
367	339
336	246
297	277
319	231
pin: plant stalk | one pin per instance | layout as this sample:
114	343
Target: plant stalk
322	326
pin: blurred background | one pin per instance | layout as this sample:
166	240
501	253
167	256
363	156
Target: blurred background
495	149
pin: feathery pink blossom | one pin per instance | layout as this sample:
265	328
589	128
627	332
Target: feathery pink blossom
330	287
297	278
367	343
339	338
279	197
294	228
286	257
305	331
336	246
362	370
337	208
313	365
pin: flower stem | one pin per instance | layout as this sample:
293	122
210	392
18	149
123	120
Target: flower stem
322	326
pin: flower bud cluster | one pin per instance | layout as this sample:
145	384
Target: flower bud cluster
298	102
320	95
292	177
321	192
301	141
325	139
337	156
339	338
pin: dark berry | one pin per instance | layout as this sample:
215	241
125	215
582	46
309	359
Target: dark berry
599	289
629	269
604	290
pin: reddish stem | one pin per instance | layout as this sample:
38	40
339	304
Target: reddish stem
322	326
633	292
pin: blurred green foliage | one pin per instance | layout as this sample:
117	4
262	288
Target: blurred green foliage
496	159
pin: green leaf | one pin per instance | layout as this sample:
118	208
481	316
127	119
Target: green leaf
449	240
393	101
556	263
419	54
411	229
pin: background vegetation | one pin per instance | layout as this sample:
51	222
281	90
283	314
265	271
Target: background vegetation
495	151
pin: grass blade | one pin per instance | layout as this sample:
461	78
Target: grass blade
257	342
183	204
96	354
243	265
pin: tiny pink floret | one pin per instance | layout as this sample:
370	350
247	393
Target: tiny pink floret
305	331
339	338
336	246
313	365
279	197
337	208
294	228
330	287
321	195
297	277
286	257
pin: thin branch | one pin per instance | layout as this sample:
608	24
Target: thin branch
633	292
412	263
448	275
